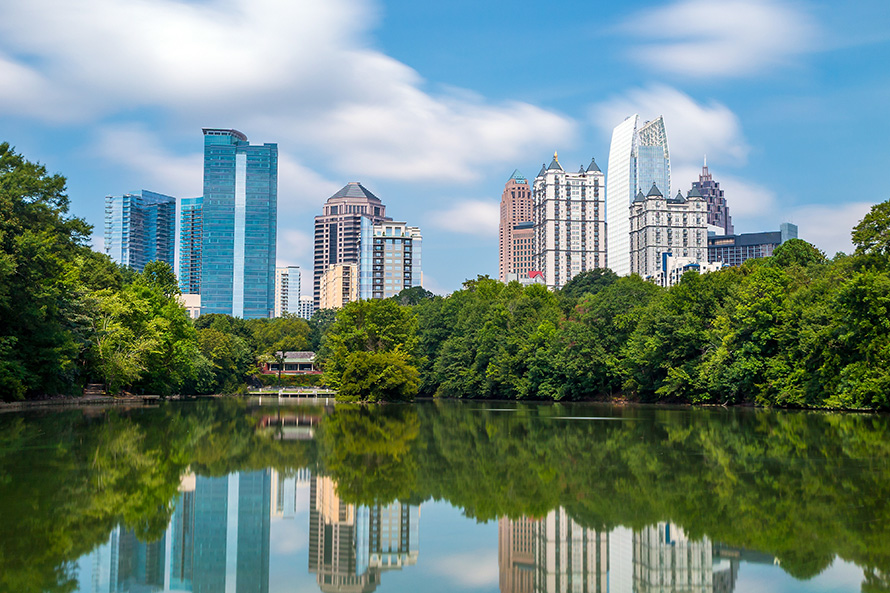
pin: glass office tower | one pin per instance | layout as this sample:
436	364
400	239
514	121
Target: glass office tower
239	225
190	237
139	228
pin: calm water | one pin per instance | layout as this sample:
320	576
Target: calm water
230	496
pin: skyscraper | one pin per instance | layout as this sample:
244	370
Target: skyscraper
718	211
570	227
191	231
139	228
338	229
287	290
239	225
390	259
638	157
516	208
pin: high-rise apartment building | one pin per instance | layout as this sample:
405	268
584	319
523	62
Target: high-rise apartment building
718	211
390	259
516	208
661	226
287	290
191	233
338	285
338	229
240	211
523	250
569	222
638	157
734	250
139	228
306	308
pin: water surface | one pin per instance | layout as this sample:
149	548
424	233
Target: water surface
232	496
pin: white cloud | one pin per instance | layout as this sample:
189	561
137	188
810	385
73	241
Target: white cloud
731	38
478	568
694	129
828	227
750	204
469	217
295	249
296	72
142	151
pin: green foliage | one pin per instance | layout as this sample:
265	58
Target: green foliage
413	296
365	338
872	235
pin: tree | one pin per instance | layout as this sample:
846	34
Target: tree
797	252
413	296
872	234
375	326
589	282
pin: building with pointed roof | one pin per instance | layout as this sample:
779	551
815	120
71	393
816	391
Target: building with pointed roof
638	157
662	227
516	209
718	211
569	222
338	229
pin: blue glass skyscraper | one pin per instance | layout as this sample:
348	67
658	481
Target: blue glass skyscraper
240	211
140	227
191	232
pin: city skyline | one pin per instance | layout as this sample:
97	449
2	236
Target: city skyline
369	90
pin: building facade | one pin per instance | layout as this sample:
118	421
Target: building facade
239	219
287	290
569	222
516	208
390	259
338	229
306	307
523	251
734	250
638	157
140	227
339	285
661	226
191	233
718	211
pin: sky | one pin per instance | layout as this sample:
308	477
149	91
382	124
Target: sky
432	105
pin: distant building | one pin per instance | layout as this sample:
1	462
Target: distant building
390	259
192	304
287	290
522	250
718	211
338	229
239	219
339	285
191	233
139	228
306	307
295	363
638	157
673	268
516	209
569	222
663	225
733	250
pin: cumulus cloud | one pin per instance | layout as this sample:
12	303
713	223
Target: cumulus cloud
732	38
300	73
694	129
469	217
295	249
478	568
828	226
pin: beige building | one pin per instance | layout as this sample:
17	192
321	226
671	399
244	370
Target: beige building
569	222
662	227
516	211
339	285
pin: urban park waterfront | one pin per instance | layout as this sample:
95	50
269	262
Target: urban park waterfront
227	495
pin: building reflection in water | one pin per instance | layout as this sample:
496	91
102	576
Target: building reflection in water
351	545
217	542
555	554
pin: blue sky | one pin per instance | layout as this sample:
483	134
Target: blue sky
432	105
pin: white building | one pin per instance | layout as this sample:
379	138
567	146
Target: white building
638	157
306	308
570	224
661	227
287	290
390	259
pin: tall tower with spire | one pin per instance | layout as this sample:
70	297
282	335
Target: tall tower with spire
514	245
718	211
569	221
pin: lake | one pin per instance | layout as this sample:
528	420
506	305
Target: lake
230	496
